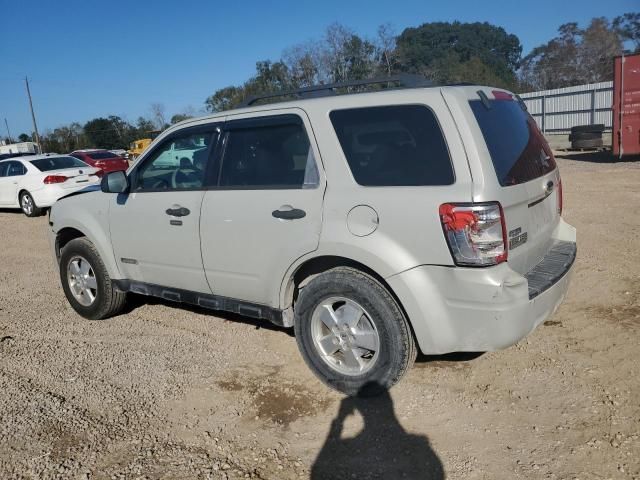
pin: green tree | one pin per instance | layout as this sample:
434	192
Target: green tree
23	137
180	117
225	99
144	125
437	50
105	133
576	56
628	27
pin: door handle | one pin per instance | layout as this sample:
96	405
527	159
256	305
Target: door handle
178	211
287	212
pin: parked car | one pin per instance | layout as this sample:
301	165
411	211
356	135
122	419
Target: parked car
374	223
33	183
120	152
101	159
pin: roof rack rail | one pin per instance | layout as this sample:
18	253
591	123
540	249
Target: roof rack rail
404	80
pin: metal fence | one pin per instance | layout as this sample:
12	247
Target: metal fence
557	110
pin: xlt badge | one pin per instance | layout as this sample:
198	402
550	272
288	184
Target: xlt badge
517	238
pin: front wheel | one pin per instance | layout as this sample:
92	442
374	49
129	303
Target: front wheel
28	206
86	283
352	333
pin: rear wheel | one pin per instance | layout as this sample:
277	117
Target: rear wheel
86	283
28	206
351	332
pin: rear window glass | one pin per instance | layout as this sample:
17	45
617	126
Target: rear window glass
400	145
518	149
101	155
57	163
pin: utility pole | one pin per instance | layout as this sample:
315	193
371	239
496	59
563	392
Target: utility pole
33	115
8	132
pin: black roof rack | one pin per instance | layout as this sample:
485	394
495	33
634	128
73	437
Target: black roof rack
403	80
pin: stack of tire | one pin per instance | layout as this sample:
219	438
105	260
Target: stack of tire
586	136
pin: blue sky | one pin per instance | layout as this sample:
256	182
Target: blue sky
86	58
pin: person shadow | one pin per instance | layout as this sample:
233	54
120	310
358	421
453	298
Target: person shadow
382	450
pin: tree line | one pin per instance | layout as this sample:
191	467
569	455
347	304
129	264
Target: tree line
444	52
110	132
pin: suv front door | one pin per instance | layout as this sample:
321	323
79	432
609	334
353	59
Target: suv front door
266	210
155	227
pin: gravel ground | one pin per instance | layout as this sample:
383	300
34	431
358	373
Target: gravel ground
165	391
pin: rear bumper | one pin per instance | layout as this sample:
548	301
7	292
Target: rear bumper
47	196
485	309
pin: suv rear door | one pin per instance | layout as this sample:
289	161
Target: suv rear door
514	165
266	210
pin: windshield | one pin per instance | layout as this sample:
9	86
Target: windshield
518	149
101	155
57	163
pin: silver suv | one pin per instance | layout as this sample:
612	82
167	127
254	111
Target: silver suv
374	223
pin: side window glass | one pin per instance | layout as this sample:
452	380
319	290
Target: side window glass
4	168
178	164
396	145
269	153
15	169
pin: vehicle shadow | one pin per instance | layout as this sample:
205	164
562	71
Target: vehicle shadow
383	449
135	301
595	157
455	357
16	211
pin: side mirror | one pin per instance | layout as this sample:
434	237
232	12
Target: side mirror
114	182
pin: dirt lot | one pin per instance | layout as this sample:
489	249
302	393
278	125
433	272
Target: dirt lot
171	392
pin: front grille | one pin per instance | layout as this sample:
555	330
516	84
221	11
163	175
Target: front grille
553	266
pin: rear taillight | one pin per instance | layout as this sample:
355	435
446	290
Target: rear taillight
476	233
49	179
559	195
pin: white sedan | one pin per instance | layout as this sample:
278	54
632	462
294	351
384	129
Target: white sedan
35	182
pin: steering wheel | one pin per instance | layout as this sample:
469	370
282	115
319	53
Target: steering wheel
183	178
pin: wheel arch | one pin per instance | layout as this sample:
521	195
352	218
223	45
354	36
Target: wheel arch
311	267
64	236
22	190
72	231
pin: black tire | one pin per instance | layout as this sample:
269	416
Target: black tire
596	127
594	143
585	136
28	205
397	349
108	301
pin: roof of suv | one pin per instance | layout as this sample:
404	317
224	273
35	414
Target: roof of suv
365	97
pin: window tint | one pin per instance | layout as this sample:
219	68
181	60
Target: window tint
270	152
101	155
518	149
57	163
4	168
177	164
400	145
15	169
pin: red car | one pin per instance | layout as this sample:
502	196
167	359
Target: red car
103	159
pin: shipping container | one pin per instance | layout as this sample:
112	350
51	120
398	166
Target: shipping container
626	105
